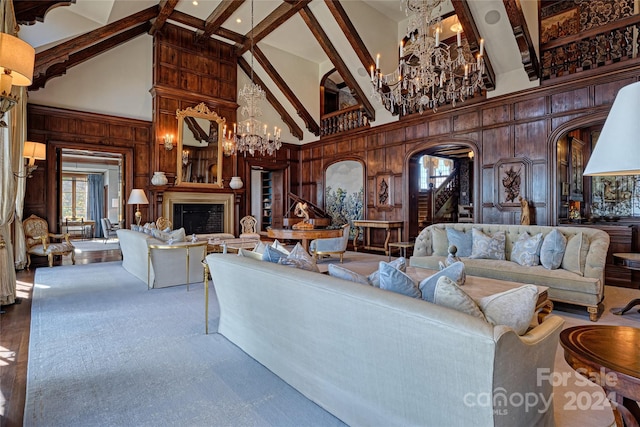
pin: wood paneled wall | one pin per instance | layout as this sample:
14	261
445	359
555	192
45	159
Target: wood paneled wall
60	128
518	129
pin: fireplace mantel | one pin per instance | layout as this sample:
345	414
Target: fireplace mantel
169	198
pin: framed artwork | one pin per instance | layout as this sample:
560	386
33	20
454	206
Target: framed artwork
384	190
512	178
344	191
561	25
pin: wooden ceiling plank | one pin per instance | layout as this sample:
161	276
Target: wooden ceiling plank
336	60
166	8
225	9
350	32
523	38
279	16
199	24
28	12
62	51
461	7
273	74
284	115
74	59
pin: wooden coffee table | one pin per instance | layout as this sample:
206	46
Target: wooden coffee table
610	357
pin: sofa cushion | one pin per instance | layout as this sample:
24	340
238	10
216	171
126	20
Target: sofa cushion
440	241
526	250
446	293
394	280
462	240
272	254
250	254
399	263
279	246
454	272
488	247
513	308
170	237
575	254
552	250
340	272
299	258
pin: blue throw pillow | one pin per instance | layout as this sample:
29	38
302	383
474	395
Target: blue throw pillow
346	274
462	240
271	254
552	250
394	280
526	250
398	263
454	272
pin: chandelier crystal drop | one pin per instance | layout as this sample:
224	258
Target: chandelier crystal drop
251	135
430	73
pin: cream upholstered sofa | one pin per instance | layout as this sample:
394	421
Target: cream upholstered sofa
585	289
168	267
374	357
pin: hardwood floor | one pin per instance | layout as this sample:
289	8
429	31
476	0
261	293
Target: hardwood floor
14	336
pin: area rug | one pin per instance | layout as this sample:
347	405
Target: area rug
104	350
95	245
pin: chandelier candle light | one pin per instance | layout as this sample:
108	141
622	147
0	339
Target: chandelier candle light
430	73
251	135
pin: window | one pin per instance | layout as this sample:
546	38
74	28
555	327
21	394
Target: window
434	170
74	196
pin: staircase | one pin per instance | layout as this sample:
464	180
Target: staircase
439	204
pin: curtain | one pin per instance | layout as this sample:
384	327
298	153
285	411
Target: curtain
96	201
19	244
10	157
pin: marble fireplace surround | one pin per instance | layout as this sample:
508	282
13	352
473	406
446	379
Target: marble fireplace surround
170	198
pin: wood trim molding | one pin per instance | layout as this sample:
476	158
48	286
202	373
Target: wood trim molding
166	8
523	38
350	32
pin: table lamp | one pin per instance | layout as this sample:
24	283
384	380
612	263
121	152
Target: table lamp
137	197
618	149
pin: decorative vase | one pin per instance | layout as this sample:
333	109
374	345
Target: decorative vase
159	178
235	183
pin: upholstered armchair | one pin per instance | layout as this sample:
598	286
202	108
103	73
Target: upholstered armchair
40	242
248	228
108	229
332	245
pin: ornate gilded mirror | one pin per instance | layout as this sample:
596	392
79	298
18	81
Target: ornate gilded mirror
199	147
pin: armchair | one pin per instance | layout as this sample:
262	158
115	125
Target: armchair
39	241
333	245
248	225
108	229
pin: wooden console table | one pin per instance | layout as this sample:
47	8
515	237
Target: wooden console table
368	225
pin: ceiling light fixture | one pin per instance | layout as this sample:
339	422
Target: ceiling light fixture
251	135
430	73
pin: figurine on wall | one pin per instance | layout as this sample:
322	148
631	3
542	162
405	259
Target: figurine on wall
511	183
525	216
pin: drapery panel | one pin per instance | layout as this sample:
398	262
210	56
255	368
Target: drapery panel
96	201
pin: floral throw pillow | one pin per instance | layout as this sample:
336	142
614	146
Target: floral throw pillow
526	250
488	247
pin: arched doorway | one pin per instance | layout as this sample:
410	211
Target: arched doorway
432	166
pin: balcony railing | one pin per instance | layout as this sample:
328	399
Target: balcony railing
343	120
598	47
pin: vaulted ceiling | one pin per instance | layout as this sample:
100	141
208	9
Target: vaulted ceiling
319	34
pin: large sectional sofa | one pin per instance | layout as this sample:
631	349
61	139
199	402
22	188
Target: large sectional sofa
585	287
374	357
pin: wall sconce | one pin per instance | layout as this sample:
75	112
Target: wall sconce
168	142
185	157
33	151
16	69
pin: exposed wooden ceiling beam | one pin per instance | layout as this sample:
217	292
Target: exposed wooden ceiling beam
287	92
472	34
28	12
60	68
276	18
220	14
284	115
166	8
61	52
523	38
350	32
199	24
337	61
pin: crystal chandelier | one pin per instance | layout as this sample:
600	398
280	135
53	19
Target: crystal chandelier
251	135
430	73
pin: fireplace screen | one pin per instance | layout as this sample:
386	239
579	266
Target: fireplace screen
199	218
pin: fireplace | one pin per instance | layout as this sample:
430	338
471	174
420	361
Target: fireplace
200	213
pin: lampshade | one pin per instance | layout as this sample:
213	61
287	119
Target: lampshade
618	149
137	197
34	151
18	57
